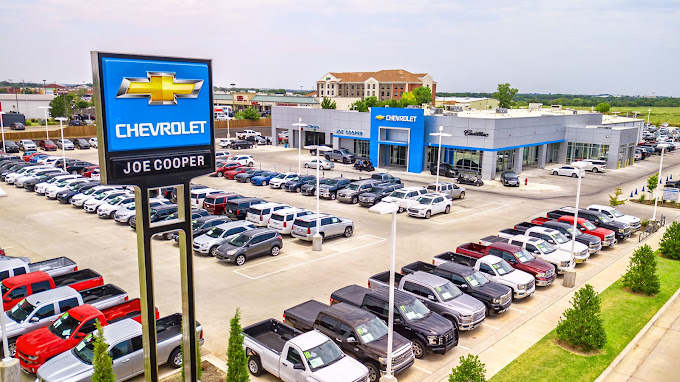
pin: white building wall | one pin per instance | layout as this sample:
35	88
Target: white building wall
26	104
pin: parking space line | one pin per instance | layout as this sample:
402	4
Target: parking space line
492	327
521	311
538	295
463	347
421	369
593	262
503	205
380	240
473	208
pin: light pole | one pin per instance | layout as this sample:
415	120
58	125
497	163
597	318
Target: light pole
63	153
2	127
656	193
649	112
47	133
316	240
300	125
579	166
440	134
384	208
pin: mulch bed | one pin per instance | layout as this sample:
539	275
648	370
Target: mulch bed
210	374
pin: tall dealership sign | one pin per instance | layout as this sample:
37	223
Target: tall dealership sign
155	129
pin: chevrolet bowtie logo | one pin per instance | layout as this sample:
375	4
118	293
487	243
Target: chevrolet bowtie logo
161	88
379	117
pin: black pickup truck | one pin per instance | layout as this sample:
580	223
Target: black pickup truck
593	242
330	189
356	331
496	297
621	230
384	177
412	319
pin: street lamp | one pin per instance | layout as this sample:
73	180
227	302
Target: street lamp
579	166
63	153
384	208
649	112
316	240
656	193
46	108
440	134
2	127
300	125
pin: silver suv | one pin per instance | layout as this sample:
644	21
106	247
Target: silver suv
250	243
350	194
447	188
209	241
304	228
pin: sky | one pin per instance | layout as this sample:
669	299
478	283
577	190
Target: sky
574	47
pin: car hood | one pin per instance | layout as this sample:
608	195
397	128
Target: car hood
379	346
518	277
207	239
432	324
416	205
603	231
564	255
392	199
346	369
38	341
369	195
538	266
492	289
226	247
590	238
465	304
629	219
64	367
11	326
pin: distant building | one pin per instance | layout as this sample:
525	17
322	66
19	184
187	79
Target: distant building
26	104
238	101
54	89
467	103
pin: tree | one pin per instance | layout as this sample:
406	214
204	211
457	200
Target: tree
62	106
470	369
582	325
614	200
328	103
82	104
602	107
409	98
359	106
248	113
101	360
652	183
670	242
372	101
504	95
423	95
237	361
641	274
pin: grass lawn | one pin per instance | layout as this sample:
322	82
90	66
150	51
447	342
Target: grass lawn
624	314
657	116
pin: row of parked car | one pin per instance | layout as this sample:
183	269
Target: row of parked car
51	309
26	145
433	302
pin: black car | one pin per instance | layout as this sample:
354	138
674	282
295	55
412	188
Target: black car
11	147
241	144
157	214
81	143
66	195
249	244
377	193
76	122
295	184
309	188
445	169
14	168
236	209
76	167
245	177
173	196
69	161
201	225
17	126
260	140
510	178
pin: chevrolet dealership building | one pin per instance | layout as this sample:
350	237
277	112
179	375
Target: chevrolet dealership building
485	142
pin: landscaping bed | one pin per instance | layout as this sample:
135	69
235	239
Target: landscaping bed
668	204
624	315
210	374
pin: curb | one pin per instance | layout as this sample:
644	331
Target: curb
633	343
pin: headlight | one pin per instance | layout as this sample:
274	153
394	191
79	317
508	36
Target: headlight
496	301
432	340
522	286
620	230
33	357
538	275
382	360
565	263
232	252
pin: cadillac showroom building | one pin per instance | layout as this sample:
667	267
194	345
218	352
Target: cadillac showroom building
485	142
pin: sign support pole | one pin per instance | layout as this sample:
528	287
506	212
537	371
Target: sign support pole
187	278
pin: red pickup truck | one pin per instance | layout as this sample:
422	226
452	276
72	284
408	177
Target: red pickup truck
36	347
15	289
518	257
607	236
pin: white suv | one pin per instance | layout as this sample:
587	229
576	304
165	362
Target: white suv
594	165
403	195
283	219
280	179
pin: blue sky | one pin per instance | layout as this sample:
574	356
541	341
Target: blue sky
588	47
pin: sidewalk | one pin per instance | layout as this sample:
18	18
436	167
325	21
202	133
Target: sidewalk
501	349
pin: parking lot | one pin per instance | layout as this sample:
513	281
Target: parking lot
264	287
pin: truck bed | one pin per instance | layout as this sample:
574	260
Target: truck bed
495	239
169	327
304	315
454	257
75	278
540	220
271	334
523	226
54	267
99	295
128	309
418	266
510	232
382	279
351	294
471	249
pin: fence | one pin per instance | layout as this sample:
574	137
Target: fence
651	228
243	123
69	132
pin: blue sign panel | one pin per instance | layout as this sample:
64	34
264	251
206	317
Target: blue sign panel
398	127
155	104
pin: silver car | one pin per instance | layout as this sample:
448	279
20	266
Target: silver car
209	241
304	228
66	144
448	188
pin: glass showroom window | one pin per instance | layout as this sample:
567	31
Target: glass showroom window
361	148
468	160
577	151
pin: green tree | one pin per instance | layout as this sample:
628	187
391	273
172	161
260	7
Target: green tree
409	98
248	113
82	104
470	369
62	106
614	200
582	325
237	361
641	274
670	242
423	95
101	360
372	101
652	183
328	103
504	95
359	106
602	107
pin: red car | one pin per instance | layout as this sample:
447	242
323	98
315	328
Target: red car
87	171
30	155
224	167
232	173
47	145
16	288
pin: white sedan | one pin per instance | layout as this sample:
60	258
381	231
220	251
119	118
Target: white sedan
568	171
244	160
225	143
325	165
429	204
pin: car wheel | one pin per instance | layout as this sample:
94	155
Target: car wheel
111	214
213	251
306	165
251	164
264	182
328	157
462	195
447	210
418	348
400	210
255	366
247	180
323	236
220	174
433	173
333	196
240	260
355	200
167	236
428	215
176	358
574	176
373	371
345	161
595	169
348	231
554	173
275	250
298	189
74	172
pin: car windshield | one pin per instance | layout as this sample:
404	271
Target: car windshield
353	187
616	213
371	330
20	310
476	279
524	256
590	226
560	238
502	267
101	196
604	218
545	248
116	199
510	175
323	355
84	351
398	194
280	176
89	192
414	311
447	291
332	182
215	232
64	326
424	200
239	240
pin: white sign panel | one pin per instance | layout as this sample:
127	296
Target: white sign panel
671	194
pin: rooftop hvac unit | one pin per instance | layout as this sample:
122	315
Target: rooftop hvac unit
535	106
555	107
501	110
457	109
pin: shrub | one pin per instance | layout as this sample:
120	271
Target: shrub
237	361
614	200
101	361
652	183
670	242
582	325
641	273
642	198
644	223
471	369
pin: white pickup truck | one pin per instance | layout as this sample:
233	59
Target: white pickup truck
617	216
53	267
247	133
562	259
293	356
553	237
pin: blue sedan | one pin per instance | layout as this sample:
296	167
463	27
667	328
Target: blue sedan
35	158
263	179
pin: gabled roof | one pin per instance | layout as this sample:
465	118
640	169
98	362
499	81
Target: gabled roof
389	75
